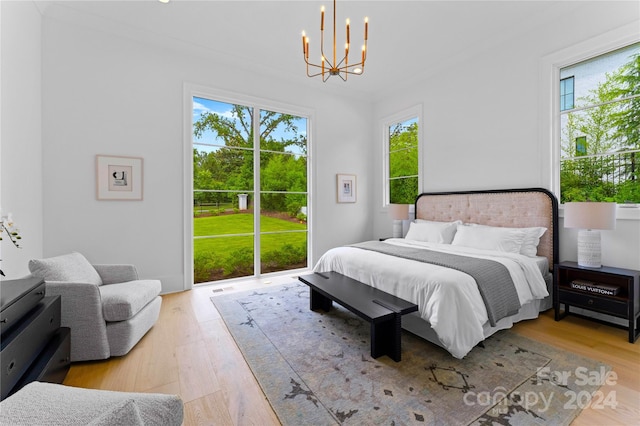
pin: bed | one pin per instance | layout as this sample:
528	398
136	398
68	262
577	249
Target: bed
495	225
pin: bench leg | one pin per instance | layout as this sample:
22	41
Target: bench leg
318	301
386	338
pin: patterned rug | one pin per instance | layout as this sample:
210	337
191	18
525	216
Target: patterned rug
315	369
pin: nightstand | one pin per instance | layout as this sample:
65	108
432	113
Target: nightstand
592	289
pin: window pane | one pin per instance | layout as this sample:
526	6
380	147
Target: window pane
608	127
403	190
592	77
283	239
281	252
283	192
222	258
283	132
610	177
289	209
283	172
222	168
223	222
403	161
600	135
221	123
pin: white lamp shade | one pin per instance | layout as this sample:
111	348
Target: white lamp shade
399	211
590	215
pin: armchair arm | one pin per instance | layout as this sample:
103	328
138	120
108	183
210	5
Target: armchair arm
116	273
82	313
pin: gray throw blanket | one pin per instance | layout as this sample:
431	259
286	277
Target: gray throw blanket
494	281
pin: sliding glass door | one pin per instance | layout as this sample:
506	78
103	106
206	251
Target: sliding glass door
250	190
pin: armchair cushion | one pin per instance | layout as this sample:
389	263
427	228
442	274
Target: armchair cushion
72	267
124	300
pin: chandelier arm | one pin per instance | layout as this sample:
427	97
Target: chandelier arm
327	62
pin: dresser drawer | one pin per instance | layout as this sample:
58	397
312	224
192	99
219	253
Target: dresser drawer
53	363
22	300
24	343
596	303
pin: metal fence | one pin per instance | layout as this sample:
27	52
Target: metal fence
611	176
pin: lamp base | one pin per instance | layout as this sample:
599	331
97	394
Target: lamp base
589	249
397	228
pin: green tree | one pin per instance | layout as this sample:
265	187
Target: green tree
231	166
612	125
627	120
403	163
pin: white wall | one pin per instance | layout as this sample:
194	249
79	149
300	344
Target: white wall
94	93
103	94
21	140
482	121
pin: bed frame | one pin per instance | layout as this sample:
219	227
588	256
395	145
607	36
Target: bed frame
515	208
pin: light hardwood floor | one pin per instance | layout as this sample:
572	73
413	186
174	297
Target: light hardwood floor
189	352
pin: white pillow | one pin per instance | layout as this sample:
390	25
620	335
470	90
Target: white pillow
489	238
72	267
432	232
531	240
532	237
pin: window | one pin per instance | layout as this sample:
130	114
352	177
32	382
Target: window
600	128
402	157
566	93
581	145
249	188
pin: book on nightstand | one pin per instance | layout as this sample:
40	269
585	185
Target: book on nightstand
596	288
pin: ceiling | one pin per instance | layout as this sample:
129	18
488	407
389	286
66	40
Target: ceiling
408	40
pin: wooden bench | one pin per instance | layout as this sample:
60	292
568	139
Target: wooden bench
383	310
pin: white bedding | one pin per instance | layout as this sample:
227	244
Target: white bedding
448	299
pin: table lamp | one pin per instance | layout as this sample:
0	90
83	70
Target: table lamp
398	213
590	217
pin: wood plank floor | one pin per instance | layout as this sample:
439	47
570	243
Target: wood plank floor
190	352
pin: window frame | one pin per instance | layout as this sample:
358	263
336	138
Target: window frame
404	115
189	92
550	66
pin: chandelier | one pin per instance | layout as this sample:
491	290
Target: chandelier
329	67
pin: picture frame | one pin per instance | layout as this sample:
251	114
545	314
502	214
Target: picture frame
346	188
118	178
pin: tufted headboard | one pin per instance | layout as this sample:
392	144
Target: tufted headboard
514	208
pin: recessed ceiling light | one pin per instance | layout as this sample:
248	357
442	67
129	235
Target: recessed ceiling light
163	1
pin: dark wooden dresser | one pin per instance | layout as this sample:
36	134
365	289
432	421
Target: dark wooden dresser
34	346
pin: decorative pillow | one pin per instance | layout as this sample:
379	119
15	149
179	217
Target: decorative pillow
489	238
531	240
432	232
72	267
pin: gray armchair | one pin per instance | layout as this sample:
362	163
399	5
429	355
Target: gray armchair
107	307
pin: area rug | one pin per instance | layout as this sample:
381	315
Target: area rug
315	369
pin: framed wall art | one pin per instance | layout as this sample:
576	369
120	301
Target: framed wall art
346	188
118	178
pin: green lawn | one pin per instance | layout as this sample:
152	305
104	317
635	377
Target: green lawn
232	256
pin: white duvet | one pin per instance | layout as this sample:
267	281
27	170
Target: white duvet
448	299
